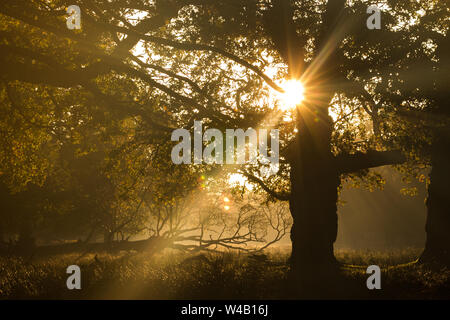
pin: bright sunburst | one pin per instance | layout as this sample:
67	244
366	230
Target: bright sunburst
293	94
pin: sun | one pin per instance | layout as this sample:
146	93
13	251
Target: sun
293	94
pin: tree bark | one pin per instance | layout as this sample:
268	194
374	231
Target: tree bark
313	201
437	247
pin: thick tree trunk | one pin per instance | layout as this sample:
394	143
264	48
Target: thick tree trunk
437	247
313	202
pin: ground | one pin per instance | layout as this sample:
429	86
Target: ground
175	275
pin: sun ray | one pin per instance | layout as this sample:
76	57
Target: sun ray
293	95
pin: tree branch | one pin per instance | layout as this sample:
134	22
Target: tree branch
276	195
347	163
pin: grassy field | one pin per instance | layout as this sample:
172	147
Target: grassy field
174	275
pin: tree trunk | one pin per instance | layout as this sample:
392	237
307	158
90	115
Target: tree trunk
26	243
437	247
108	237
313	202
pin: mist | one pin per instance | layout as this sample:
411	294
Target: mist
382	219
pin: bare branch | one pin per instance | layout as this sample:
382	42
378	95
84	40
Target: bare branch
276	195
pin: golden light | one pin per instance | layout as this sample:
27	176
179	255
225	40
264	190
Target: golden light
293	94
226	199
226	208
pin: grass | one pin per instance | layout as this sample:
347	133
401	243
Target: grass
174	275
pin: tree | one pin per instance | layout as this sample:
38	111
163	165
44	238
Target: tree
437	248
57	166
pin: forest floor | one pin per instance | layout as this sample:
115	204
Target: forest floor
174	275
